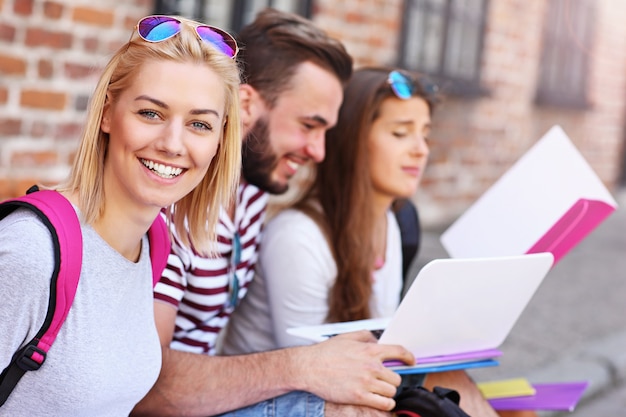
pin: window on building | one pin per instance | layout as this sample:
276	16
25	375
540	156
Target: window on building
444	38
231	15
567	38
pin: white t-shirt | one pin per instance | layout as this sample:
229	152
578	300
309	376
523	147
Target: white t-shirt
107	354
295	273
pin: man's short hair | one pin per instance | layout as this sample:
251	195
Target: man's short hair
276	43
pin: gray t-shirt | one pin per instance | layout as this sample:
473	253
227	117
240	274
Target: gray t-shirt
107	354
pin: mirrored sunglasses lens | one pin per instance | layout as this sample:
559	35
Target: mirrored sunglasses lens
158	28
221	40
400	85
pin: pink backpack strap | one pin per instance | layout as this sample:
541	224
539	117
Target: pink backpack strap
159	247
57	213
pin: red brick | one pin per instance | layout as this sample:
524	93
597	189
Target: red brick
93	16
356	17
39	129
71	157
45	68
146	4
91	44
10	126
4	94
43	99
52	9
29	159
77	70
7	32
12	65
23	7
68	131
40	37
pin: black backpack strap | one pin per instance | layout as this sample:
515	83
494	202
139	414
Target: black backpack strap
448	393
420	402
57	213
408	219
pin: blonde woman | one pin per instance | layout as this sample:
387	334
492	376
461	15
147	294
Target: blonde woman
163	131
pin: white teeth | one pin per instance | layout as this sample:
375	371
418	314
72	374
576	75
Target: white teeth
164	171
292	165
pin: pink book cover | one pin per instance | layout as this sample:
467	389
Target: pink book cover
549	200
581	218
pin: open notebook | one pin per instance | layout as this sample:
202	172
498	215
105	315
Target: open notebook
548	201
456	313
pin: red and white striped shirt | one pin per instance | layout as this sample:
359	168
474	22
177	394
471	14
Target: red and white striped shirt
198	286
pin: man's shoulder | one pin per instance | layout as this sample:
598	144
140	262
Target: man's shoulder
251	203
249	195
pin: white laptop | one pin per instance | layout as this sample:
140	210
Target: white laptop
454	306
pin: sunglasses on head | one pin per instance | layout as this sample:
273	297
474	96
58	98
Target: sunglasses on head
403	86
160	28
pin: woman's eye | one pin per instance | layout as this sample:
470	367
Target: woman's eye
399	135
202	126
149	114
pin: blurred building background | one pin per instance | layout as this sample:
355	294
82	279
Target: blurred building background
509	70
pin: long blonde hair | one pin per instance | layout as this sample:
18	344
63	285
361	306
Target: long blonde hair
198	210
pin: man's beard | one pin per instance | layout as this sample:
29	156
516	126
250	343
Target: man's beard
259	160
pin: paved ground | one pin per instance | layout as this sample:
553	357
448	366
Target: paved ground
575	326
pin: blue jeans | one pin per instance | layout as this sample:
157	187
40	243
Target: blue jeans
293	404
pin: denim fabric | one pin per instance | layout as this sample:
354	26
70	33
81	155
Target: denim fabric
293	404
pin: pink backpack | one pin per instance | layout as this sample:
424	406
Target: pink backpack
59	216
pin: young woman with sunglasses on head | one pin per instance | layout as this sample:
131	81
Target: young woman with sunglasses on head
163	131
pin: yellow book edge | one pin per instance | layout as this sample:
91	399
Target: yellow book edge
514	387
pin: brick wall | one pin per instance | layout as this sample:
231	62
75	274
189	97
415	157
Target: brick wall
50	52
476	141
50	55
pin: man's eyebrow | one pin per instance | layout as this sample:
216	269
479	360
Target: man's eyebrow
318	119
165	106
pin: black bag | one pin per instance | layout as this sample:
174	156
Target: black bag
419	402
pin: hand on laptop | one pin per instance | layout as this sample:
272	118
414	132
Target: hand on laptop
348	369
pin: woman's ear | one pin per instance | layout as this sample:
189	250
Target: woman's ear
105	123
